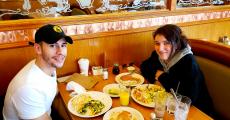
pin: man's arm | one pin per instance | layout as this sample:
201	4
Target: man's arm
30	104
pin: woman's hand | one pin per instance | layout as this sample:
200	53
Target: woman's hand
158	73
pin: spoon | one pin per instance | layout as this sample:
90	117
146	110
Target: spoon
174	95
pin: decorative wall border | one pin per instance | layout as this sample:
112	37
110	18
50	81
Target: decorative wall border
27	35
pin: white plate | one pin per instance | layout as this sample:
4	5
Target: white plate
133	111
113	86
144	91
103	97
130	82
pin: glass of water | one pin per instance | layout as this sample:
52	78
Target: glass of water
182	108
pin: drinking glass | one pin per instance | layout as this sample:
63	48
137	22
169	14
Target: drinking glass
124	97
84	66
160	104
171	103
182	108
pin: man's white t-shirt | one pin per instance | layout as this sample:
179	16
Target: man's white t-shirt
30	94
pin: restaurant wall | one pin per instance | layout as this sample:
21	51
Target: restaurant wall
211	30
106	48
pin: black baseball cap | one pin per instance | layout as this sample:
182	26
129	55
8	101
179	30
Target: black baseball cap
51	34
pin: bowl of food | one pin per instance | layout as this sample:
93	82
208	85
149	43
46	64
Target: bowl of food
131	69
113	89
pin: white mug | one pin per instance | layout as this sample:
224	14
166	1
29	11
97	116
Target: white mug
84	66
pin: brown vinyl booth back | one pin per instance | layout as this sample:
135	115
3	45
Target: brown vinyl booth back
214	61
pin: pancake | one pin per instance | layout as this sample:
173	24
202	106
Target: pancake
122	115
129	78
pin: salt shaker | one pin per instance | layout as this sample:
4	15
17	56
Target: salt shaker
105	74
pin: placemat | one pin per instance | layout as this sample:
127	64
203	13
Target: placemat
86	81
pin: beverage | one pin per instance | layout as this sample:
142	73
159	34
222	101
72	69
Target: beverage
171	103
160	104
160	111
124	97
181	112
171	108
182	108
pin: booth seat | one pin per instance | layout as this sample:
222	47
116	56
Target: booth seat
214	60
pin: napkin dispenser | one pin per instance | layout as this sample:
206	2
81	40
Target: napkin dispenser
97	70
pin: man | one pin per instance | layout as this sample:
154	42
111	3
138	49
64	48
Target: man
31	92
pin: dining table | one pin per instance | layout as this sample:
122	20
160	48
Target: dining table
194	113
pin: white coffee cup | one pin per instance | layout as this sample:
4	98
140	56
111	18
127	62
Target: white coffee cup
84	66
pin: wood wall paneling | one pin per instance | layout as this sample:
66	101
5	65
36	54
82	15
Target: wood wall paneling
108	50
12	60
209	31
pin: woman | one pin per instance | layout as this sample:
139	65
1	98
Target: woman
173	64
